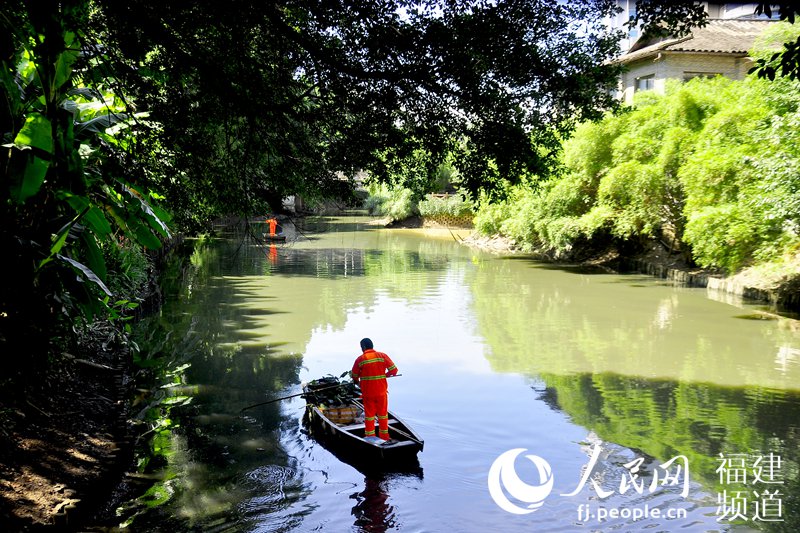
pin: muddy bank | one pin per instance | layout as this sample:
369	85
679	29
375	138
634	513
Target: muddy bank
66	437
65	445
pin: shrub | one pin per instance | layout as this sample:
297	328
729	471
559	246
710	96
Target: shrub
722	236
374	204
394	203
452	205
490	216
713	163
400	204
634	193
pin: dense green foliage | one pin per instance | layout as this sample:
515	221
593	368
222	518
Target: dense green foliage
68	210
283	96
399	203
710	168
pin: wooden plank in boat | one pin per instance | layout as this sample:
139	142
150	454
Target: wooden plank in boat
351	427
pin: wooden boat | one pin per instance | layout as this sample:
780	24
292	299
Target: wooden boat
341	429
275	238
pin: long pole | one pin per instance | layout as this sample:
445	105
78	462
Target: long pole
292	396
303	394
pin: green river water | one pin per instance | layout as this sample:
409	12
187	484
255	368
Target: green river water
602	378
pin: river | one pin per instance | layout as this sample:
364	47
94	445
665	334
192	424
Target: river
641	405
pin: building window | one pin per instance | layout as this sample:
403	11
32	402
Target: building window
646	83
691	75
745	10
633	32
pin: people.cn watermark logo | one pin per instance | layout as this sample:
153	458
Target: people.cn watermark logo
504	483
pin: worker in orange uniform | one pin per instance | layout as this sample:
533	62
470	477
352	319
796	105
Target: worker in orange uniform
273	225
370	371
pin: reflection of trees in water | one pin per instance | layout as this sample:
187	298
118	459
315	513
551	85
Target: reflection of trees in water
190	350
337	248
201	322
664	418
350	262
219	337
539	320
317	287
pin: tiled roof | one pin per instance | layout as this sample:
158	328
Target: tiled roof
719	36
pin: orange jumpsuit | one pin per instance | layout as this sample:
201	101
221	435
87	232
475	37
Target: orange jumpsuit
370	370
273	225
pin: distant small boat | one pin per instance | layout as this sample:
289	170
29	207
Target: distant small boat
341	428
275	238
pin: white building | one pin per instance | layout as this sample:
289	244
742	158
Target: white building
719	48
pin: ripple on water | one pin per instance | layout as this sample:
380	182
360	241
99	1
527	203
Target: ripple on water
274	489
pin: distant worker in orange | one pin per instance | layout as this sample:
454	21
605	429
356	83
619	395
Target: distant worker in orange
273	225
370	371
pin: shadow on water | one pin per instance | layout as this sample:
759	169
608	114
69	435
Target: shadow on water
409	468
632	279
322	224
203	362
562	267
757	316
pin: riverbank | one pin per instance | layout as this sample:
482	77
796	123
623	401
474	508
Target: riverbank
66	439
65	445
776	285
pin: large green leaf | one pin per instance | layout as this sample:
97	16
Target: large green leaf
155	221
86	271
94	255
143	234
66	59
134	228
12	90
96	220
37	132
161	214
32	178
60	238
99	124
93	217
26	69
149	215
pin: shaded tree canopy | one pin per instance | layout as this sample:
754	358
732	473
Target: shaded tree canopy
268	99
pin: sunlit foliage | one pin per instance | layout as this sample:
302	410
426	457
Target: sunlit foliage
711	168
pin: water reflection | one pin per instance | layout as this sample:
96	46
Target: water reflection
645	368
274	489
191	351
703	422
374	510
373	513
537	323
